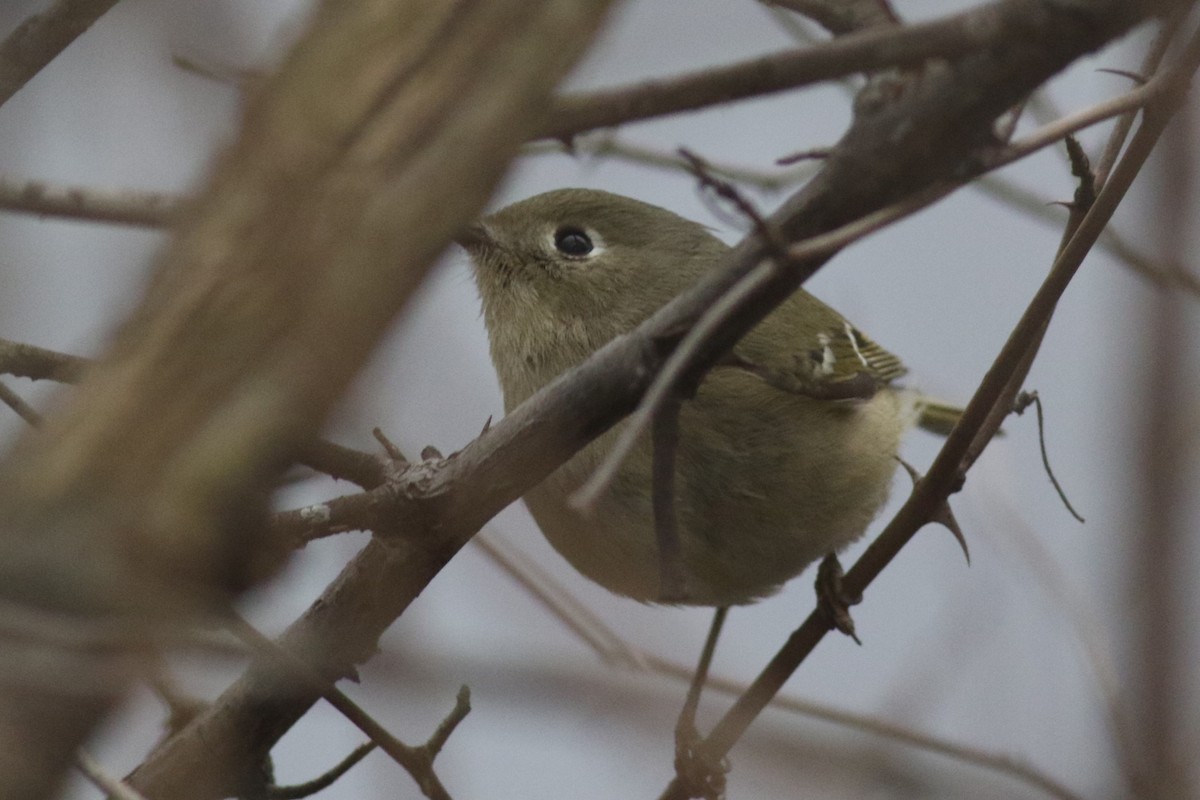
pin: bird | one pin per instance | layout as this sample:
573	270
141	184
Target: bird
771	473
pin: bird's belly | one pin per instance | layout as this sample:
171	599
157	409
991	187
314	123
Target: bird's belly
755	507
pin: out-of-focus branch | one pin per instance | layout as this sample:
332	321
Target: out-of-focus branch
40	38
869	50
143	209
607	145
1161	529
38	363
840	17
384	131
99	776
19	406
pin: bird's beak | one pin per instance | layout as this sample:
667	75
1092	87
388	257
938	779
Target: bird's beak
475	237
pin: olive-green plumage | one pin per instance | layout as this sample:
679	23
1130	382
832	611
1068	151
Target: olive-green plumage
769	477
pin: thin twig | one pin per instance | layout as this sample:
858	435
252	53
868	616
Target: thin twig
18	405
1061	128
1024	400
607	144
1111	241
1084	622
124	207
841	17
324	781
111	785
560	602
866	51
462	707
418	764
1150	65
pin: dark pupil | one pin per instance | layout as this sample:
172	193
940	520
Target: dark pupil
573	242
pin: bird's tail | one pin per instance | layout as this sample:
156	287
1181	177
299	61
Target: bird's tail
935	416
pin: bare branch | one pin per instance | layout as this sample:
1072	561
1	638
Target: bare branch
867	51
109	784
840	17
417	761
39	39
606	144
1150	65
38	363
325	780
1024	400
143	209
462	707
18	405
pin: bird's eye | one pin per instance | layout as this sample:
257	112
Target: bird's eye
572	242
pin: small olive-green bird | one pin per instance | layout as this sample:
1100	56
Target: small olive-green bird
769	477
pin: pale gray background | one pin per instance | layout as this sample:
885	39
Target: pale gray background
987	655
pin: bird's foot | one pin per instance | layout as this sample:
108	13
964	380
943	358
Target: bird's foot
700	774
832	597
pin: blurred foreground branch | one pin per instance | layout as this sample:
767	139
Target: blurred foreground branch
39	39
384	131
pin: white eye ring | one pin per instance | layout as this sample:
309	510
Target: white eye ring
575	242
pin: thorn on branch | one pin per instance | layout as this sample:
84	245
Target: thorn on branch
944	515
1140	80
1023	401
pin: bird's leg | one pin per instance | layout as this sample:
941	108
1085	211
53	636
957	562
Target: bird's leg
832	597
706	779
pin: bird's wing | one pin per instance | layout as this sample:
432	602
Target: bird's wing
829	358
